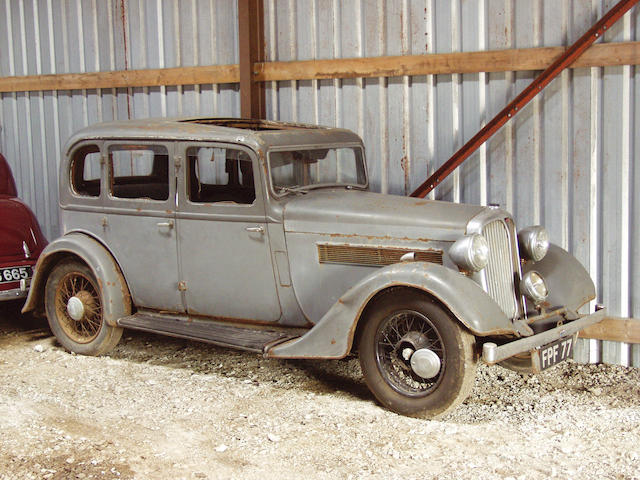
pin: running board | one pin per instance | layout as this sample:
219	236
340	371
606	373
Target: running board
253	339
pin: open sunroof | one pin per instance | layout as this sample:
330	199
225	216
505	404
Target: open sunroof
250	124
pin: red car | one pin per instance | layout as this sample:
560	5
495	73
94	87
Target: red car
21	239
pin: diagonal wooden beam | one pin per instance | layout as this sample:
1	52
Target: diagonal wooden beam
552	71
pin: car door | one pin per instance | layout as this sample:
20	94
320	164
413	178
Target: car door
139	221
223	240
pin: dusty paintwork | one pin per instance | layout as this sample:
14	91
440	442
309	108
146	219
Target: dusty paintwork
116	298
220	236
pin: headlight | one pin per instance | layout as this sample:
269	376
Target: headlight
533	242
534	287
470	253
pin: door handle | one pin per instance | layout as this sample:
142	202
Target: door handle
168	224
255	229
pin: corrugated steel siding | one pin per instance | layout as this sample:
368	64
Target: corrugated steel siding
567	161
49	36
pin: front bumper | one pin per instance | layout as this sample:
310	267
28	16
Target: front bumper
16	293
492	353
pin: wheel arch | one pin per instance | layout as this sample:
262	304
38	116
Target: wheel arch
90	251
333	336
392	290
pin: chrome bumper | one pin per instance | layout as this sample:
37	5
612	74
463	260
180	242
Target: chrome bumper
492	353
16	293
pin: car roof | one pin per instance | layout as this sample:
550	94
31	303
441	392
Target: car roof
7	182
257	134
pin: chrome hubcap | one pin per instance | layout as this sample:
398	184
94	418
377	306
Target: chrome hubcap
75	308
425	363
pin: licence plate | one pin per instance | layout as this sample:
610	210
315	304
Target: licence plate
15	274
554	353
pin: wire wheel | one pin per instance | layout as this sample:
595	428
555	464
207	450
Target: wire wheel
415	356
398	337
76	310
78	307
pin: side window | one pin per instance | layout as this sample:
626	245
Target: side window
139	171
85	171
217	174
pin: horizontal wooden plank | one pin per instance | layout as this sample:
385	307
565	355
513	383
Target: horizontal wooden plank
615	330
626	53
606	54
123	78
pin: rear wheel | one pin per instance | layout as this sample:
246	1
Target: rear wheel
415	356
74	306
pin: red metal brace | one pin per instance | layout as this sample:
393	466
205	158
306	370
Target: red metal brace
552	71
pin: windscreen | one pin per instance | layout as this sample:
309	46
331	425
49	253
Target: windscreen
319	167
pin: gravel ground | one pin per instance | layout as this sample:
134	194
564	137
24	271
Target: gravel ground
159	408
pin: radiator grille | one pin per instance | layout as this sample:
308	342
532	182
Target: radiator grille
500	271
372	256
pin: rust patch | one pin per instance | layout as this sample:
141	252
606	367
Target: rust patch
404	164
123	17
368	237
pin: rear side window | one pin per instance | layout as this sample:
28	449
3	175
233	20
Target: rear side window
85	171
218	174
139	171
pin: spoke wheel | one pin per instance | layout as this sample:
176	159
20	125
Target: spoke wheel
416	358
401	334
76	288
74	306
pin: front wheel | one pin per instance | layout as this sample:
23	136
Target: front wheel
74	306
415	356
520	363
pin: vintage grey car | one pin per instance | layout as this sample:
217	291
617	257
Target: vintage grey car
264	236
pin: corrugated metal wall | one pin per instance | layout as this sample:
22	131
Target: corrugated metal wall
566	161
52	36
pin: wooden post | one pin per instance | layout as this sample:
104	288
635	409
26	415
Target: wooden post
251	51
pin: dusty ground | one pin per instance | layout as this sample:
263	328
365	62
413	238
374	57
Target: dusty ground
163	408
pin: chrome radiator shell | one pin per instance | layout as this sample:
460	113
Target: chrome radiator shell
502	275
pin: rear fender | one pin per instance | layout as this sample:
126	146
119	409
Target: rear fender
332	336
115	293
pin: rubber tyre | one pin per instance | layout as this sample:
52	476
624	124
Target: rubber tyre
519	363
102	337
458	368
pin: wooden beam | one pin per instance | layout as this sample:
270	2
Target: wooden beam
123	78
615	330
601	55
625	53
251	51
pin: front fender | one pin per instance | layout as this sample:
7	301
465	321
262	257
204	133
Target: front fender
115	293
568	281
332	336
